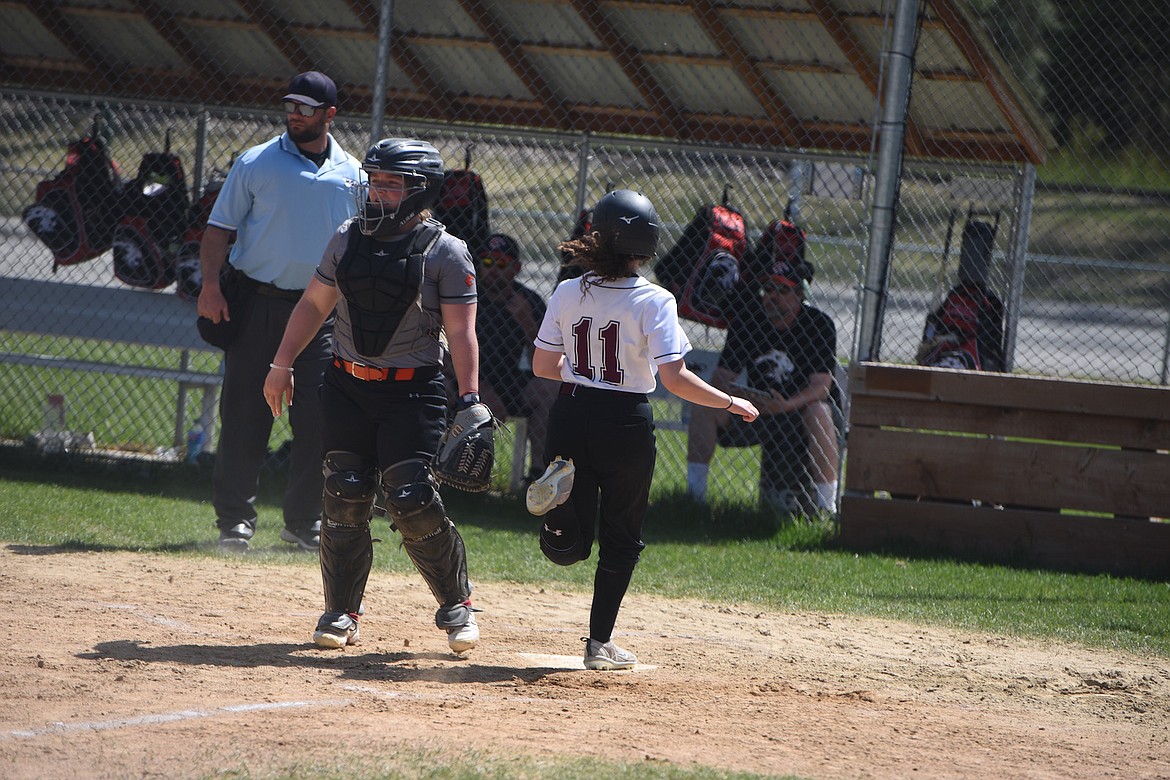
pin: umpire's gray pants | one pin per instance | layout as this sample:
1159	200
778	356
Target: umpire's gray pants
246	421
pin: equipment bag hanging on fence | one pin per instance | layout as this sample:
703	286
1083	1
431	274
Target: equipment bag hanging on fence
74	213
966	330
703	266
156	212
463	207
188	266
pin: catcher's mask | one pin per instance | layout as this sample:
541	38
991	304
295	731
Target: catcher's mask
421	169
627	221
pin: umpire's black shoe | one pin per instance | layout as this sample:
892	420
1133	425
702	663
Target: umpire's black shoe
235	538
308	538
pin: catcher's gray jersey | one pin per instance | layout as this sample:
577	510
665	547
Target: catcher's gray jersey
448	277
614	334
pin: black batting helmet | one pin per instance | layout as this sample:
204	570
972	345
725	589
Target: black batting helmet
421	167
628	220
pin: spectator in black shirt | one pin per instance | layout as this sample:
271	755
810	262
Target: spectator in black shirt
509	316
787	351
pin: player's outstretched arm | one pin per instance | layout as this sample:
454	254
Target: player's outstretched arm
688	386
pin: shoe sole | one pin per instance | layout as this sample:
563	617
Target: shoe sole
233	545
552	489
462	645
288	536
334	641
606	665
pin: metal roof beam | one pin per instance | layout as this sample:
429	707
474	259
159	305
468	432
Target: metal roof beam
97	69
837	25
281	36
786	121
438	103
629	59
513	54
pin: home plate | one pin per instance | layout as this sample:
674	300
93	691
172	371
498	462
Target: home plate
573	662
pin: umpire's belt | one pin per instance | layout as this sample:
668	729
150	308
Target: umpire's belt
383	374
272	291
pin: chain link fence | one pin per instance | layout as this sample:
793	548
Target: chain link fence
778	111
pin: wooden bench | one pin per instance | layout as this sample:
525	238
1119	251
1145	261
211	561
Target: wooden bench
121	315
1042	472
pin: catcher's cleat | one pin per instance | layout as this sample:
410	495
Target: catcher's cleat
608	656
336	629
463	638
552	488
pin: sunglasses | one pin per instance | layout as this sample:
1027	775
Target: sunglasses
299	108
488	262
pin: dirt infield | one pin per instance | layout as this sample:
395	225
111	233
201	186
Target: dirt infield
160	666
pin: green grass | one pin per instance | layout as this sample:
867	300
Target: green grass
467	764
725	554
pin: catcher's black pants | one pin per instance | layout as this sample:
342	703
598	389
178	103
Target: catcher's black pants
388	421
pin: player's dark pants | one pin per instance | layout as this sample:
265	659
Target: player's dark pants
246	420
610	437
385	422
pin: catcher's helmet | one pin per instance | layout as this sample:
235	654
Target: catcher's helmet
418	163
628	220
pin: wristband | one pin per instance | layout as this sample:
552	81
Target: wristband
730	401
282	368
466	400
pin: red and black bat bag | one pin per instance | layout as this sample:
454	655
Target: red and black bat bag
703	266
462	207
156	211
75	212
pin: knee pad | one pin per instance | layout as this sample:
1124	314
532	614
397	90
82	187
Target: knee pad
350	488
412	498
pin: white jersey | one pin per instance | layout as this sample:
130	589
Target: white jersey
614	334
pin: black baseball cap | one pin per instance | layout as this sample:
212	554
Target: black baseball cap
312	88
504	245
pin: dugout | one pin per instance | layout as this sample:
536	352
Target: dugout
596	92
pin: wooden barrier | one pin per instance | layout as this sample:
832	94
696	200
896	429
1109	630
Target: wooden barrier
1042	472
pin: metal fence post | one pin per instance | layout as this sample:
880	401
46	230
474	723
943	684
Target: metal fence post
891	141
378	99
1018	259
583	154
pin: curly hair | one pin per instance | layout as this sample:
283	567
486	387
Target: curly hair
592	254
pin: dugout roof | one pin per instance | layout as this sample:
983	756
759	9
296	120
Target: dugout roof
796	74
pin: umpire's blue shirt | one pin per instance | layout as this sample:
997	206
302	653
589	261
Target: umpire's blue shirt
284	210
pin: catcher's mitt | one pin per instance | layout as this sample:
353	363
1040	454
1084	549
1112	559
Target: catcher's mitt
467	450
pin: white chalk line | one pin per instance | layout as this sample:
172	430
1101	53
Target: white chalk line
160	718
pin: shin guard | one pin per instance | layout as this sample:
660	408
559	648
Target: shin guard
347	549
428	535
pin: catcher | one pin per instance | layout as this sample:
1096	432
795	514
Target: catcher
405	295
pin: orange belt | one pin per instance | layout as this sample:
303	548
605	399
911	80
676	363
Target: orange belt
376	374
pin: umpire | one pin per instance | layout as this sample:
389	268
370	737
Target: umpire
283	199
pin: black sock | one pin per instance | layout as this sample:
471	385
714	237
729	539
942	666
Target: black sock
609	588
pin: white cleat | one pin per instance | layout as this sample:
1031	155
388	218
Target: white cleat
463	638
607	657
552	488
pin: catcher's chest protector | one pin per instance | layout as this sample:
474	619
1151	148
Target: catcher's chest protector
380	289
